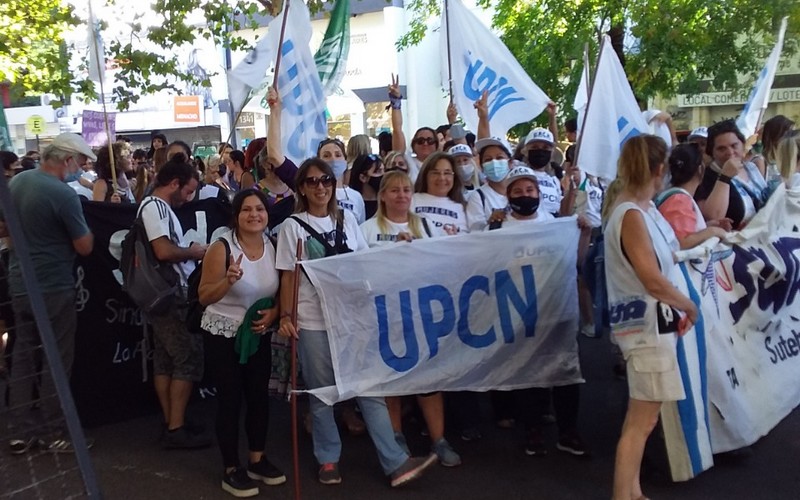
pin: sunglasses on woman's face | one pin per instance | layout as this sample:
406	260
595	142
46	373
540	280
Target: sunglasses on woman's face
430	141
325	180
402	168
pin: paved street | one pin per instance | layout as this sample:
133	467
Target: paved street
131	465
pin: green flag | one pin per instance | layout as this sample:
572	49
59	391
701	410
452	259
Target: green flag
331	57
5	135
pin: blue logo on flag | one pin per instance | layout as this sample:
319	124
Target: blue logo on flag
626	131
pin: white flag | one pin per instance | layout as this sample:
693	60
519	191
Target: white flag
251	72
97	54
759	96
581	97
303	123
612	116
480	61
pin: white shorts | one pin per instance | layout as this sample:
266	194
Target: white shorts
653	374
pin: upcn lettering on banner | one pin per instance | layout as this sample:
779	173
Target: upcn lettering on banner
187	109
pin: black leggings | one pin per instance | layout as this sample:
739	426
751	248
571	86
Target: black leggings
533	403
234	380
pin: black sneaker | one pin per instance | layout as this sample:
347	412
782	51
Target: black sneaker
412	469
264	471
535	445
572	444
329	473
65	446
22	446
238	483
471	434
181	438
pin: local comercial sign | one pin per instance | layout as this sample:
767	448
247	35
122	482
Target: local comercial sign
734	98
187	109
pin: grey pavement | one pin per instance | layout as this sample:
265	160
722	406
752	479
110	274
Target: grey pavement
131	465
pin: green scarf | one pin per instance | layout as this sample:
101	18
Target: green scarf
247	342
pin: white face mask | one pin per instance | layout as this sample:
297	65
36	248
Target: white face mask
496	170
466	171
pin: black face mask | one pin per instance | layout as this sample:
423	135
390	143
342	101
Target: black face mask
375	182
524	205
538	158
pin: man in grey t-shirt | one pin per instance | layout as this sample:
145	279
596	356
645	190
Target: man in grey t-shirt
55	230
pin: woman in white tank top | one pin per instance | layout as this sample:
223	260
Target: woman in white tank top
639	265
230	287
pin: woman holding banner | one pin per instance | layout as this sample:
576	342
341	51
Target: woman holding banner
238	274
640	271
677	203
439	194
326	230
394	222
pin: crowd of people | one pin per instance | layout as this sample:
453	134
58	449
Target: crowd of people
445	181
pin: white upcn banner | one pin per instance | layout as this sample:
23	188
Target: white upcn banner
492	310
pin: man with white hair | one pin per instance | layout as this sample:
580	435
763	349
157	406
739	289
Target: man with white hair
52	222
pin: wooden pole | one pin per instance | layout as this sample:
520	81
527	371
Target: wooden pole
101	75
295	447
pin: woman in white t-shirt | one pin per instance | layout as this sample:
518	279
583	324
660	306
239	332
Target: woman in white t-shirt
395	223
326	230
495	159
333	153
439	194
238	273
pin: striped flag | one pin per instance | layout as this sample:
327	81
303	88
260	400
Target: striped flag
331	57
759	96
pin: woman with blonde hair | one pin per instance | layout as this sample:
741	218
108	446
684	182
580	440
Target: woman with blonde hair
358	145
396	160
788	160
639	246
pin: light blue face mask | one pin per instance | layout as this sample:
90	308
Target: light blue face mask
338	166
74	176
496	170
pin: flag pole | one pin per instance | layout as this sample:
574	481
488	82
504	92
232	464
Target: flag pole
293	392
449	57
589	94
280	45
100	75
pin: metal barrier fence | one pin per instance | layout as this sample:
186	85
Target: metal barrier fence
43	451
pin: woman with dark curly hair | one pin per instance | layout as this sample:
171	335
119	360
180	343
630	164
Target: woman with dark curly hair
103	189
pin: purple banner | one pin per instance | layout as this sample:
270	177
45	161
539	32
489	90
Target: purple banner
94	128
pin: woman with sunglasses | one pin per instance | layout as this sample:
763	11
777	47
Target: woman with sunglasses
332	152
365	177
396	160
327	230
439	194
425	141
394	222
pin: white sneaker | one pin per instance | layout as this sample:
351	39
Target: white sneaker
587	330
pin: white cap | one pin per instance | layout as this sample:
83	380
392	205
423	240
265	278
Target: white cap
540	134
699	132
518	173
73	143
491	141
460	150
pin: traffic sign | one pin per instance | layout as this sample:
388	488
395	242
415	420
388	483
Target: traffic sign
35	125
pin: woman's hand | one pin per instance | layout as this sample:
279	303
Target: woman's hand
583	222
273	99
725	224
286	328
686	322
452	113
404	236
235	272
482	105
394	88
267	317
732	167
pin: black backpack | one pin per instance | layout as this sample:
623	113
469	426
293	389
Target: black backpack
194	313
152	285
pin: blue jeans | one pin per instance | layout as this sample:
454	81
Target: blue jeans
315	358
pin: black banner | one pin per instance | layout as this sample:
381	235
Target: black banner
112	375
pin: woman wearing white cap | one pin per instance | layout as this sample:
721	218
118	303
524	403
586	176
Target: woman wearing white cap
523	200
439	194
465	162
495	158
538	150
